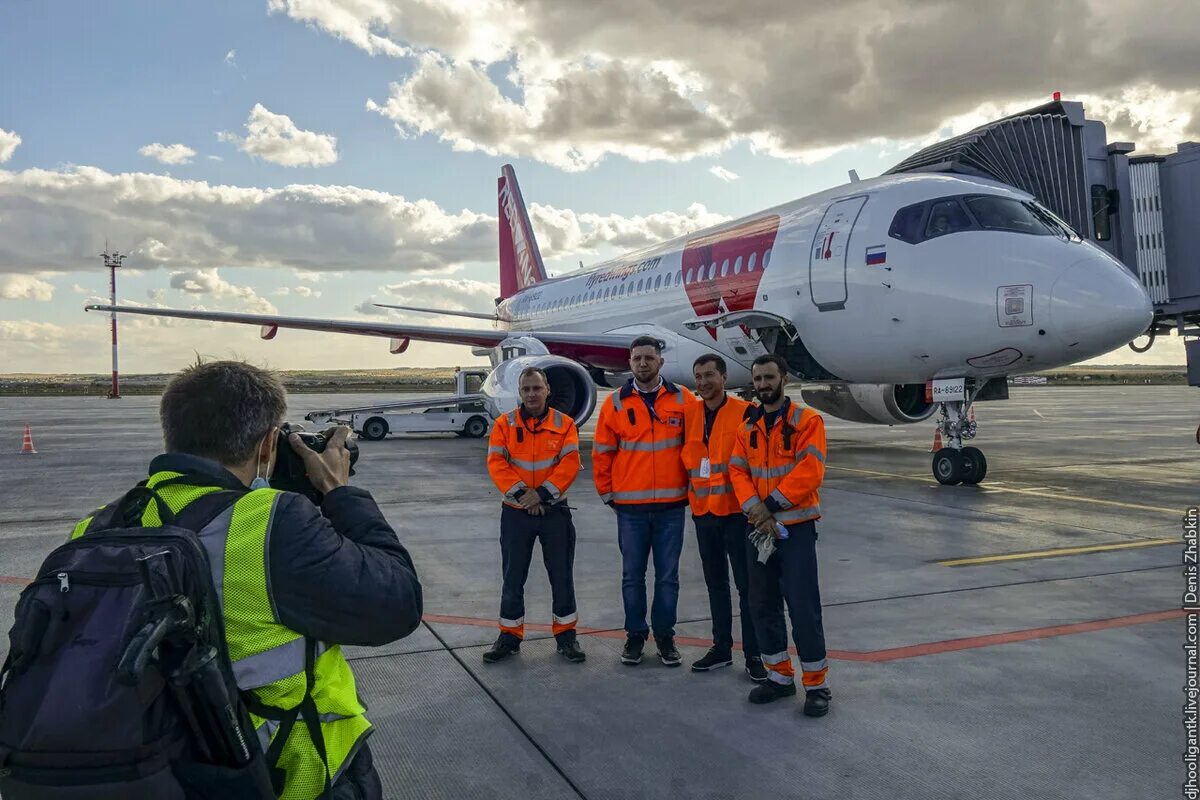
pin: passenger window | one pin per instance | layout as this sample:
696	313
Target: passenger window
689	276
724	268
712	270
750	264
658	282
639	286
737	266
1002	214
906	225
766	258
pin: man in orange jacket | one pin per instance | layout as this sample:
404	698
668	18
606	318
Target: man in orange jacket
712	428
533	458
639	474
777	467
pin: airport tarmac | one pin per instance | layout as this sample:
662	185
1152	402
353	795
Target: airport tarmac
1046	663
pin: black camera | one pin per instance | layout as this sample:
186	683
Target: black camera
289	474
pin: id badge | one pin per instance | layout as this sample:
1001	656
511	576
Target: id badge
705	468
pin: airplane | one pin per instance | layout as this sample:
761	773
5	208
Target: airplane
889	298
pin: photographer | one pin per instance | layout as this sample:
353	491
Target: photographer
296	580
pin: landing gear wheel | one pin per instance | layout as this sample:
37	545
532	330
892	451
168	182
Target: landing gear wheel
974	465
375	429
475	428
948	466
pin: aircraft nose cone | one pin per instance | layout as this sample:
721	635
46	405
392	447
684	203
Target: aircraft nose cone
1097	305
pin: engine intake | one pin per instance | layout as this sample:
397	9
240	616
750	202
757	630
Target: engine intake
571	389
872	403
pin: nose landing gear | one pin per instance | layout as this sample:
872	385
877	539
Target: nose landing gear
954	463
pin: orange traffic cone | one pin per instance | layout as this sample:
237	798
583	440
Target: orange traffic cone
937	440
27	442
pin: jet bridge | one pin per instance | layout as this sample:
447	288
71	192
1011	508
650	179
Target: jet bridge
1144	210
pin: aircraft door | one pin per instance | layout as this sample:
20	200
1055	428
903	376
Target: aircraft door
829	252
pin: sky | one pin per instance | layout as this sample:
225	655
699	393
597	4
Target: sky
312	157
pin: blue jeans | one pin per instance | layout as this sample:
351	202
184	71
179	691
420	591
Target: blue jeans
639	533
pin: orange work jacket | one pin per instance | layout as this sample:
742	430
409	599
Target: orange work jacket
526	454
635	455
713	494
783	469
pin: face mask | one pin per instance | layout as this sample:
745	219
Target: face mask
260	481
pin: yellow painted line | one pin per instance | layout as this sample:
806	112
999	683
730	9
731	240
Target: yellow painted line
1053	495
1060	551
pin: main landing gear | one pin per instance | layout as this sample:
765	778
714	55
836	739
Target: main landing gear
954	463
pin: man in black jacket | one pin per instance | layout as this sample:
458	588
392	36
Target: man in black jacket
290	573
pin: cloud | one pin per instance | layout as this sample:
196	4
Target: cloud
302	291
275	138
209	281
8	144
27	331
677	79
169	153
55	221
368	308
448	293
214	158
723	173
25	287
231	58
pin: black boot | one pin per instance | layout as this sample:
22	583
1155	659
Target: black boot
769	691
816	702
632	654
505	646
571	651
713	659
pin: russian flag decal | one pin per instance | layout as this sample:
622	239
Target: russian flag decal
876	255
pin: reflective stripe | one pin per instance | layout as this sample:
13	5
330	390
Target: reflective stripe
213	538
533	465
511	623
261	669
498	450
813	666
554	491
798	514
332	717
558	420
652	447
705	491
603	448
794	417
265	732
605	497
778	497
749	504
516	487
571	448
652	494
568	619
714	469
738	461
771	472
780	678
616	400
811	450
775	658
512	417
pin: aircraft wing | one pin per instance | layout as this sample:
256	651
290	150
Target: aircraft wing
604	350
423	310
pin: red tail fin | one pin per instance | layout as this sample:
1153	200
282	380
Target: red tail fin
520	260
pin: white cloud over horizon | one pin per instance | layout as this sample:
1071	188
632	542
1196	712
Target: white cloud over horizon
9	141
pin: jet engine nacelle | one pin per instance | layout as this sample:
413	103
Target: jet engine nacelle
571	389
878	403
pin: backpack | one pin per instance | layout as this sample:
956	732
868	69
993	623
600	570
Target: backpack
118	683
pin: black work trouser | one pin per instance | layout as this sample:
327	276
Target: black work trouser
359	780
790	575
722	543
518	532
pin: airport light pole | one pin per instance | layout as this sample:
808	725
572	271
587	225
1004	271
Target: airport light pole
113	262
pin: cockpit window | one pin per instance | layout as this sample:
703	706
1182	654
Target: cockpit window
946	216
1003	214
906	226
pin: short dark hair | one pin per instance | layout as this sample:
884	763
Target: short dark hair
647	341
221	410
714	358
771	358
533	371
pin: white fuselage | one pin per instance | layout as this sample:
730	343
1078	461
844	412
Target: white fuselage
868	306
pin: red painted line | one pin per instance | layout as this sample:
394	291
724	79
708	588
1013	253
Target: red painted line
871	656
